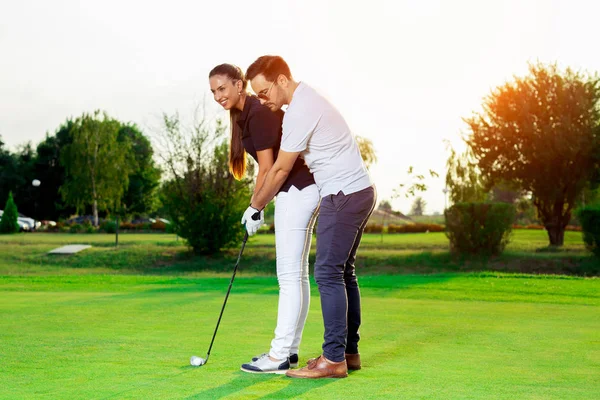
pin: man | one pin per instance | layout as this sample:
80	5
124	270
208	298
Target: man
313	128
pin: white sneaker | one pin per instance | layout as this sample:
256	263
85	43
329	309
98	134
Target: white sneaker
264	365
293	359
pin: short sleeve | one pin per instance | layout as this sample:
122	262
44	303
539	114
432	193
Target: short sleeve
265	129
297	131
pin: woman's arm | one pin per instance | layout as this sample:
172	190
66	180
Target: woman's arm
265	162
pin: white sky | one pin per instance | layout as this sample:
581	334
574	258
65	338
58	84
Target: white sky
403	73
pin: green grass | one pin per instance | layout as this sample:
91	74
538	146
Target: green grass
444	336
378	254
122	322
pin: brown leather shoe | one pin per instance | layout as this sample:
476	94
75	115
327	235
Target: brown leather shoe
352	361
320	368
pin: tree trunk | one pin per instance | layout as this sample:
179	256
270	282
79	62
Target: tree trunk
95	212
555	219
556	234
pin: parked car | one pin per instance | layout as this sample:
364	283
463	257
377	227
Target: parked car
143	221
25	223
33	224
82	219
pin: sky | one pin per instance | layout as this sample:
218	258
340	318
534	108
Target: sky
403	73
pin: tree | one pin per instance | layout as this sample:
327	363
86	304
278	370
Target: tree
418	207
51	173
10	179
463	178
96	164
23	192
367	151
9	223
140	198
541	132
200	196
385	205
414	184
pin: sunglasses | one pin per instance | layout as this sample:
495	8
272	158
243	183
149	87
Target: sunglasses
265	95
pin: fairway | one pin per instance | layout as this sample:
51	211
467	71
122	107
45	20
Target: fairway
444	336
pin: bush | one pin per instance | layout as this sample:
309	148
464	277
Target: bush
573	228
373	228
8	223
75	228
479	228
127	226
590	225
202	199
108	227
415	228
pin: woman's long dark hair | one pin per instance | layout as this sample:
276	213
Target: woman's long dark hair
237	154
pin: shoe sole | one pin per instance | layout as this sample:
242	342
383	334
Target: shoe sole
318	377
275	371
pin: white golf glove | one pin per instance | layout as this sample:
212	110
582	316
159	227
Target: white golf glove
253	225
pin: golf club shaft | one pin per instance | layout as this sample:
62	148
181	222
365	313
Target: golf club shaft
227	295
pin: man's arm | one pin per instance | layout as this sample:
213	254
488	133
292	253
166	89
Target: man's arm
274	179
265	163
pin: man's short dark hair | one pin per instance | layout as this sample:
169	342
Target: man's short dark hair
270	67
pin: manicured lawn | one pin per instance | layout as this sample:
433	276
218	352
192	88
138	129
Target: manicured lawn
378	254
443	336
122	322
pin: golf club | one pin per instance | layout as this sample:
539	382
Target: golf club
199	361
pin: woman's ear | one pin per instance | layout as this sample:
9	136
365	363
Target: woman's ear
239	85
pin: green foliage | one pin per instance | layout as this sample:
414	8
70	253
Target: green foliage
96	165
414	184
108	226
51	173
201	198
541	133
463	179
590	224
8	223
415	228
479	228
140	198
9	173
367	151
373	228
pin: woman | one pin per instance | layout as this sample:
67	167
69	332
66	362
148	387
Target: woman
256	130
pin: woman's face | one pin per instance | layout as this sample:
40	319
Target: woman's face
225	91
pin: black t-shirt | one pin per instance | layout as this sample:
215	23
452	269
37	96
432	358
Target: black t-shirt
261	130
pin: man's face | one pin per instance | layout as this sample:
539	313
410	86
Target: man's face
270	94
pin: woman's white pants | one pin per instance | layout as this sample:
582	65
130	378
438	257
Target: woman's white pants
295	215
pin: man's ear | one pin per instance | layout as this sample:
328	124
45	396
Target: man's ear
283	81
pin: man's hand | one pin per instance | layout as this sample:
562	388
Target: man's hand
253	220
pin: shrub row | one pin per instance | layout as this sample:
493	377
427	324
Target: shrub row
541	227
108	227
407	228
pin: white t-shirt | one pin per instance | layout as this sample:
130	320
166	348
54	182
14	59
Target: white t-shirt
315	128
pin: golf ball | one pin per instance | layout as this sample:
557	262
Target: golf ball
196	361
